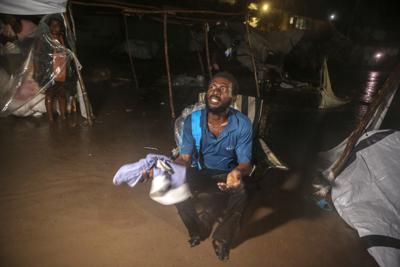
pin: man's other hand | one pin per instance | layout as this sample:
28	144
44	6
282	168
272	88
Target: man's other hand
233	181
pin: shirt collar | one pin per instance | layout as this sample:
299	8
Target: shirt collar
232	123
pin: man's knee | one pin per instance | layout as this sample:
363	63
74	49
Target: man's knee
240	193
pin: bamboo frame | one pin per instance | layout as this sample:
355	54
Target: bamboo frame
130	8
206	27
388	86
253	61
86	101
133	70
171	100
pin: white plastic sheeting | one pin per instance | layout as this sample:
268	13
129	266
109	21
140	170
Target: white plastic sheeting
366	193
32	7
22	91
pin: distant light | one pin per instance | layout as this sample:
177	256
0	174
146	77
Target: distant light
229	2
265	7
332	17
253	22
252	6
378	55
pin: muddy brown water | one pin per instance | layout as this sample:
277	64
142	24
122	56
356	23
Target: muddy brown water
59	207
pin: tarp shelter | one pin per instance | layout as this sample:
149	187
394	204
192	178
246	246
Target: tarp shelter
366	194
22	93
363	172
185	17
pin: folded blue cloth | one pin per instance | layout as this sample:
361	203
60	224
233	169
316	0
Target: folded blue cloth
132	173
169	183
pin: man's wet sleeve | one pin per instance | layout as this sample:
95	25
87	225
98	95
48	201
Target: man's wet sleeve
245	144
187	137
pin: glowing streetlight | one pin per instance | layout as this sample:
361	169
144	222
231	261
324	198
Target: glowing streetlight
378	55
265	7
332	17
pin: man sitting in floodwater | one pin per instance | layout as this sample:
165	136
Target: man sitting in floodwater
224	158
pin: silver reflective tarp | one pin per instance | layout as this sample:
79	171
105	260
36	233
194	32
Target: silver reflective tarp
366	193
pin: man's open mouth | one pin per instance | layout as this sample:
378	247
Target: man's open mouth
214	100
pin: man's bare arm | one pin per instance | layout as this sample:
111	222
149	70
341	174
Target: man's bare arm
244	169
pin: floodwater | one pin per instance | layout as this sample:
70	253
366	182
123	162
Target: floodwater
60	208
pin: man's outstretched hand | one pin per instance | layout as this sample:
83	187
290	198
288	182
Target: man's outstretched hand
233	181
234	178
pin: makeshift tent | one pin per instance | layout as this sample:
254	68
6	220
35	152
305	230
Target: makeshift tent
23	93
328	98
183	17
251	48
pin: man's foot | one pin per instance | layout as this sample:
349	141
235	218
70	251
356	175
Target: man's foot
221	249
205	228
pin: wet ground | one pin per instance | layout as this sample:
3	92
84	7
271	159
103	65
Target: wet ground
60	208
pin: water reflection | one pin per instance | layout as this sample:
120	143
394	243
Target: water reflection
371	86
373	81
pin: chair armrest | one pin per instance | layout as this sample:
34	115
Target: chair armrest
269	156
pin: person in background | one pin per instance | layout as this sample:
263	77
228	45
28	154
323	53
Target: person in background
52	68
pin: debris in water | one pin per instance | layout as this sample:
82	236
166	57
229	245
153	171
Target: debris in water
151	148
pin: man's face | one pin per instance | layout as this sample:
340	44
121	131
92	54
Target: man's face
55	27
219	95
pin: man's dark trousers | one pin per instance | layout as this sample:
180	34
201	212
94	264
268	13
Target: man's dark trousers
234	201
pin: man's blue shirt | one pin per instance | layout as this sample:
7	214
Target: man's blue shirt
225	152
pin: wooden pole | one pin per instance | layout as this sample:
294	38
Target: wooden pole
199	57
130	53
206	28
391	83
88	106
71	18
171	100
89	112
253	61
145	9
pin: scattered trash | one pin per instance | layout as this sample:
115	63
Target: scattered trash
151	148
286	85
186	80
321	203
37	114
138	49
123	79
100	75
89	154
162	103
